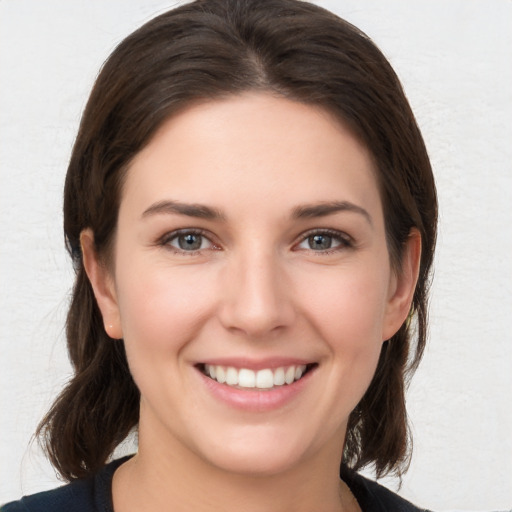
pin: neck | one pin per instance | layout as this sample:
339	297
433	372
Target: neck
157	477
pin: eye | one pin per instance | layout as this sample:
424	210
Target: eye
187	241
325	241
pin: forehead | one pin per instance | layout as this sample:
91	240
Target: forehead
253	146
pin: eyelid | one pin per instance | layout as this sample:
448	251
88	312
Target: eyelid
346	241
171	235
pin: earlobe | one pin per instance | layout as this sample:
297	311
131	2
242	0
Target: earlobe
102	284
403	287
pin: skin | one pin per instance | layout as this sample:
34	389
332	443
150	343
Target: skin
257	287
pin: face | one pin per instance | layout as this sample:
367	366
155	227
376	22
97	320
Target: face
251	283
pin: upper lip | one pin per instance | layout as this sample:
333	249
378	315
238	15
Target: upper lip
256	364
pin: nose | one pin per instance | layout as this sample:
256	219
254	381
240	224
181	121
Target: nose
256	296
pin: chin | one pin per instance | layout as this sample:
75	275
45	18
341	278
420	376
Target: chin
257	456
255	465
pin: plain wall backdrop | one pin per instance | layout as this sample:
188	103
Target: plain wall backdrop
455	60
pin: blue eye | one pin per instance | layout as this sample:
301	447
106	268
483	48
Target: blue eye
320	242
324	241
188	241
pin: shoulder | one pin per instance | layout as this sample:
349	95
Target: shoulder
373	497
88	495
77	496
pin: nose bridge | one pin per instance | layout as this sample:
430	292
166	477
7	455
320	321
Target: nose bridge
256	299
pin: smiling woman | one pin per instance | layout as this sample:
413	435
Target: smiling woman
251	214
214	308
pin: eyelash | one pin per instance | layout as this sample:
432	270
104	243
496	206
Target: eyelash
169	237
344	240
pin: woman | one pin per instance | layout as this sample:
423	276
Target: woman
251	213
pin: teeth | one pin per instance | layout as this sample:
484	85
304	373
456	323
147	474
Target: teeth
265	379
289	376
279	377
246	378
231	377
220	374
261	379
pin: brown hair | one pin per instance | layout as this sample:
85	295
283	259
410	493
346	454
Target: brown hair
206	50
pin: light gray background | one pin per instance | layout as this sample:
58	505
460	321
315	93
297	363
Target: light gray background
455	60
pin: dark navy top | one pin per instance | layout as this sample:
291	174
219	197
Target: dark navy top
94	494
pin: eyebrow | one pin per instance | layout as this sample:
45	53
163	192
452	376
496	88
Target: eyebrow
191	210
323	209
306	211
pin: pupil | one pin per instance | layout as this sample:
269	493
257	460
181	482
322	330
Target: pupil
320	242
190	242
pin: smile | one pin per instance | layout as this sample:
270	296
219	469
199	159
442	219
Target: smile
265	378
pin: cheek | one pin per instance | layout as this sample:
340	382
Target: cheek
346	309
348	306
162	309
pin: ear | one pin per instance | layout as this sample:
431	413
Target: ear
402	286
102	283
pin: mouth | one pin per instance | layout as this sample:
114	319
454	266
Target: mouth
262	379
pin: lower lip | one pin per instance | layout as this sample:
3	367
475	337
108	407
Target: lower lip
253	399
